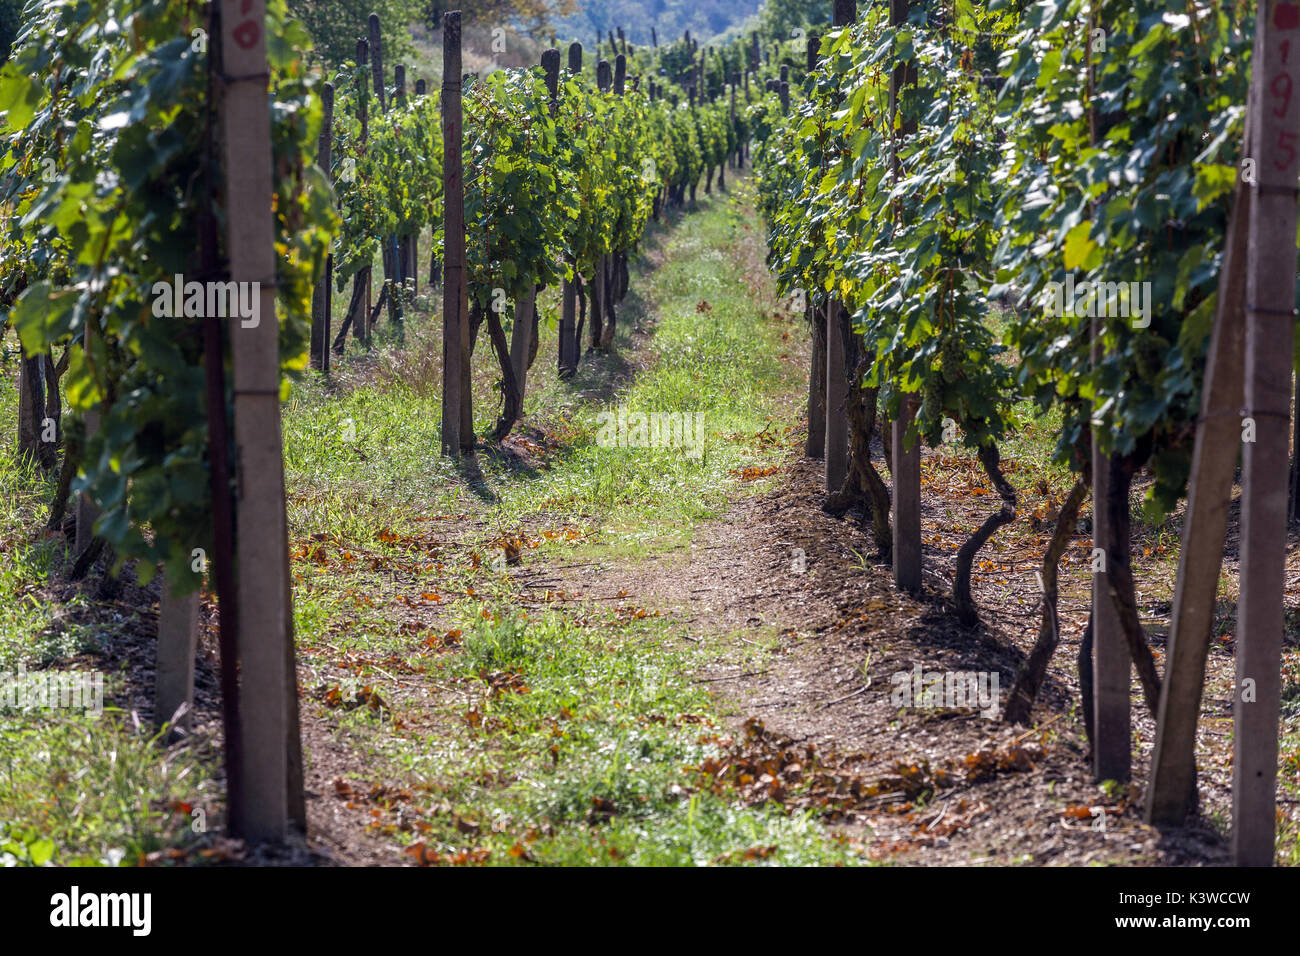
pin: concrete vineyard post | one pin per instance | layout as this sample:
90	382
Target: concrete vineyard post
1270	326
521	336
455	293
1205	527
837	425
86	512
268	701
320	319
735	153
377	60
815	447
907	500
1111	667
602	326
569	347
178	632
906	461
408	254
361	322
836	446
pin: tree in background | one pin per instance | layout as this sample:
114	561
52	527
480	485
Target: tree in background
336	25
529	16
704	18
779	17
11	18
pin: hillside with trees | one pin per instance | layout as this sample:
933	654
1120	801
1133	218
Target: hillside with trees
704	18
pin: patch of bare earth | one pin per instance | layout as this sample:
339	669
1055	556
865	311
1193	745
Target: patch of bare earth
917	786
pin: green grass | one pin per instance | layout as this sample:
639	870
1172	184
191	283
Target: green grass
74	788
584	761
566	734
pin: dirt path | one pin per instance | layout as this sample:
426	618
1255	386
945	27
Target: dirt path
921	786
796	615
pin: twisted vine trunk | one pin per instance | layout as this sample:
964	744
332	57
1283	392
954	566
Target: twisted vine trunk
597	305
990	459
1084	670
1032	673
610	294
532	343
1119	577
512	405
863	484
355	309
581	293
68	471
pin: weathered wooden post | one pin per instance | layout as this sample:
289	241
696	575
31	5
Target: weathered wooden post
377	61
783	90
32	393
1111	658
602	312
268	701
734	156
220	490
455	292
569	347
735	153
654	38
836	446
321	295
1270	326
690	90
408	252
178	631
521	335
1171	783
361	322
905	464
815	446
414	272
390	253
616	265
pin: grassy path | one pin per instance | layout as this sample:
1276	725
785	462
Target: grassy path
463	709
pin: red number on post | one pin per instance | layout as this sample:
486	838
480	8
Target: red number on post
247	34
1284	141
1281	87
